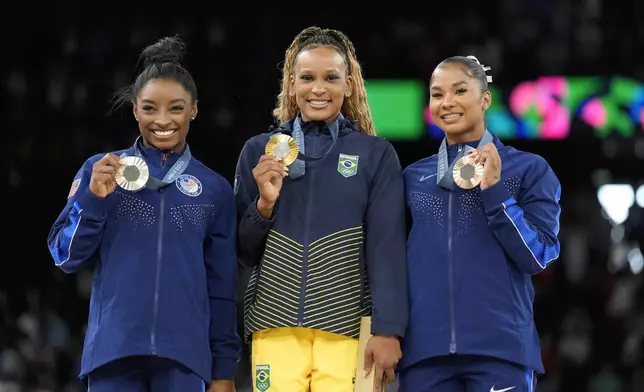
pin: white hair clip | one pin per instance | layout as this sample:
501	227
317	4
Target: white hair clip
485	69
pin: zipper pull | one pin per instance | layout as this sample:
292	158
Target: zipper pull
164	157
460	147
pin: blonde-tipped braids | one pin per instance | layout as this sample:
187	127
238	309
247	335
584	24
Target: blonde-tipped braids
355	106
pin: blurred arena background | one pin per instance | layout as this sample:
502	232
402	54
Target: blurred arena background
568	84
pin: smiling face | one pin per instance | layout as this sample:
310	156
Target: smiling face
163	109
320	83
457	103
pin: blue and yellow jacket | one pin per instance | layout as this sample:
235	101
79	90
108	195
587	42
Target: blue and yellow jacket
334	250
471	256
165	267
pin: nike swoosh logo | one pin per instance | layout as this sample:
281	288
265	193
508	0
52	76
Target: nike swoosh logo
501	390
424	177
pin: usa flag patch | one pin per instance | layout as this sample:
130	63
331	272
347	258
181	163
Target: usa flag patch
74	188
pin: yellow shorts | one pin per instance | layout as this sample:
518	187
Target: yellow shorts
303	360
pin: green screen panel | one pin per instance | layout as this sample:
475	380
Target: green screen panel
397	107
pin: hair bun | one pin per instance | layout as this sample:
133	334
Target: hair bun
473	58
485	69
165	50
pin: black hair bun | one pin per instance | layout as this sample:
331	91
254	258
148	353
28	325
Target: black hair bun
165	50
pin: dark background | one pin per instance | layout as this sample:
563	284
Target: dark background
60	77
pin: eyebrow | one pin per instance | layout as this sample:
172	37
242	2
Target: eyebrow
173	101
453	85
327	70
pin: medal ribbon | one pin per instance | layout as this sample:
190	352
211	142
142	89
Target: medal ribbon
175	171
444	176
298	168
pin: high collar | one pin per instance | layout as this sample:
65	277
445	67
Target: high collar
459	146
319	126
454	149
474	143
345	125
150	152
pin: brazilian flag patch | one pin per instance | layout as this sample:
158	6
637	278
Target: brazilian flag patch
262	377
348	165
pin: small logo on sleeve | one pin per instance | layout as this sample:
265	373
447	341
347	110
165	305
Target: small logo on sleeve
74	188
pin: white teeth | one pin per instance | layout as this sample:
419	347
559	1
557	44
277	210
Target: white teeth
448	116
164	133
319	102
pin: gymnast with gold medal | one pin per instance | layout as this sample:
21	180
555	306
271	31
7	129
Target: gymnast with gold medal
321	211
484	218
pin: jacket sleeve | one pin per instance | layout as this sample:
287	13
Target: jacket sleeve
527	228
253	228
386	248
221	273
78	231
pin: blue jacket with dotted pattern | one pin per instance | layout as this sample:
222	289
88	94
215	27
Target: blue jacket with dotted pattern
471	255
165	267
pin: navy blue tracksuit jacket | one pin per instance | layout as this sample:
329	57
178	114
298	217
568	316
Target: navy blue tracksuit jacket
336	242
471	256
165	267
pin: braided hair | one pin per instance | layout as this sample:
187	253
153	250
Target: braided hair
354	107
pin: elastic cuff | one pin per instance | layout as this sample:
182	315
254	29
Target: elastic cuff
94	207
494	196
256	217
223	368
380	328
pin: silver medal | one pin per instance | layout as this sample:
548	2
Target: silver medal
133	174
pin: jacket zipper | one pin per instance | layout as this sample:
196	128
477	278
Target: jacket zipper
450	263
307	229
155	309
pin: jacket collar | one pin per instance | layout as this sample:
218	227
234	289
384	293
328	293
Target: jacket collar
345	126
495	139
153	154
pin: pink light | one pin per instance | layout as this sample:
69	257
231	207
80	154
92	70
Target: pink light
556	85
428	115
555	118
522	98
556	124
594	113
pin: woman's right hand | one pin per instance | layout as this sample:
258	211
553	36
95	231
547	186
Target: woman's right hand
269	175
103	182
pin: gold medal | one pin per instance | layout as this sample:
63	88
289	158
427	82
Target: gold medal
283	147
466	173
133	174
